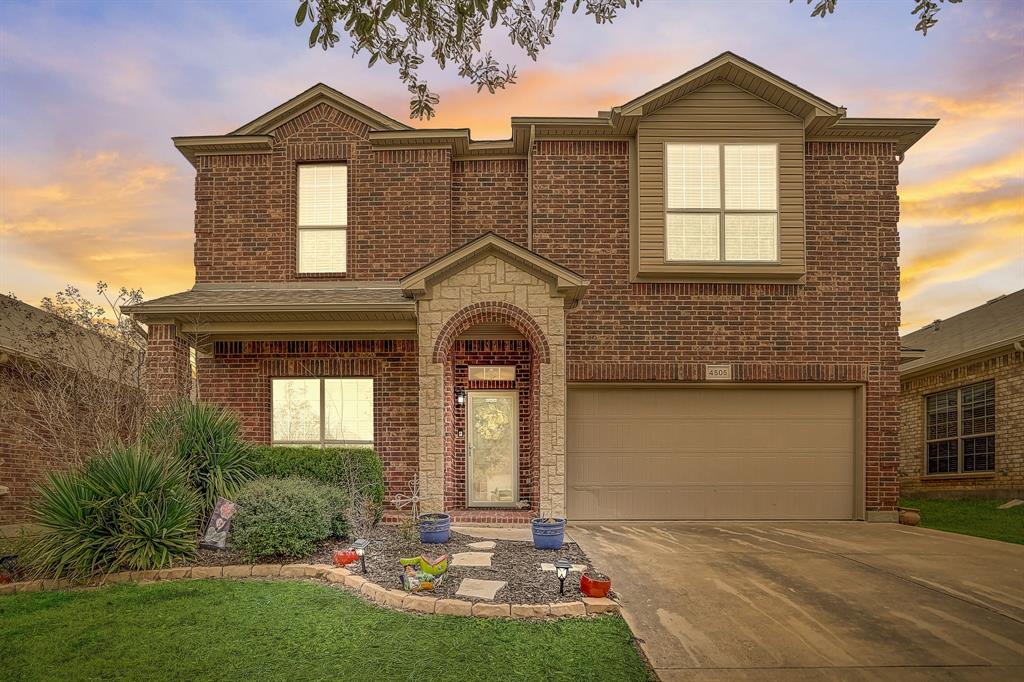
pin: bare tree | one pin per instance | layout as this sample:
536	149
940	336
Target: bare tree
75	371
399	31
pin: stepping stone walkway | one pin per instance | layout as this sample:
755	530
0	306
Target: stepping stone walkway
472	559
486	544
480	589
578	568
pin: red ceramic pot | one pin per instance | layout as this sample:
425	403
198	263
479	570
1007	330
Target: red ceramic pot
596	585
344	557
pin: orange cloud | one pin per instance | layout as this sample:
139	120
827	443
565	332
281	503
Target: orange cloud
542	91
103	216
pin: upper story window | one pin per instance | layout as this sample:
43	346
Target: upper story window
323	218
721	202
960	431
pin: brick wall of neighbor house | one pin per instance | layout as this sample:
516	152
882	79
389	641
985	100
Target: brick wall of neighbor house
493	352
237	376
399	208
24	463
839	326
1007	370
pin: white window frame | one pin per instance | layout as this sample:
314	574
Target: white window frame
300	227
722	211
322	442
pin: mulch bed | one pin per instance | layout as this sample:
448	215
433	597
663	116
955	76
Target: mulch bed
516	563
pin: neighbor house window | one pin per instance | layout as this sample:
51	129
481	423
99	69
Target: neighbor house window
322	411
721	202
323	217
961	425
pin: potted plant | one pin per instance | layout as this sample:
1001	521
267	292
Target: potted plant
910	517
435	528
594	584
548	533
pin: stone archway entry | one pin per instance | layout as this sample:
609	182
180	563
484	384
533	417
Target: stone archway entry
493	281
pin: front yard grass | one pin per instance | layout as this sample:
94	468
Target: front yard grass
981	518
277	630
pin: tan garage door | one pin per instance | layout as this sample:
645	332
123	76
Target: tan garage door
710	453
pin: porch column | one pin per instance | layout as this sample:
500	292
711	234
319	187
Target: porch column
168	374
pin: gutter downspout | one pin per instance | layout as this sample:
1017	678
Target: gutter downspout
529	190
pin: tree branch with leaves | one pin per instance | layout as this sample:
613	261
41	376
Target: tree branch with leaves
926	11
404	32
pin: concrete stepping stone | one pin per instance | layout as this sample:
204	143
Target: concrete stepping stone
576	568
473	559
486	544
480	589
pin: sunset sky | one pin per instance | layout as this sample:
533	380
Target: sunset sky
91	93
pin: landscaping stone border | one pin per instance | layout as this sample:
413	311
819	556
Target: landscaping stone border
354	582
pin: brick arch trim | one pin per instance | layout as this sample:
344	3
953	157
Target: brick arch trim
491	312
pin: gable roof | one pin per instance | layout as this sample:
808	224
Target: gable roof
318	94
563	280
987	328
821	118
737	70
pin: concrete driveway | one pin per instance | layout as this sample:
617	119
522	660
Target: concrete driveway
815	601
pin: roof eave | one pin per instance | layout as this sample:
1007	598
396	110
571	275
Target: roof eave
911	370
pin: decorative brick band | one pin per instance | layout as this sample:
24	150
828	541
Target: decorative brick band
490	312
694	372
397	599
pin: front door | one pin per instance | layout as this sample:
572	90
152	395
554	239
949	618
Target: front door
493	449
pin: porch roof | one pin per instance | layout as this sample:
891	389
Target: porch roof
283	308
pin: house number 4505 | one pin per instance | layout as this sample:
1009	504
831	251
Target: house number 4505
717	372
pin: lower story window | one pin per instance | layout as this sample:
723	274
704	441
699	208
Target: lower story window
326	411
961	425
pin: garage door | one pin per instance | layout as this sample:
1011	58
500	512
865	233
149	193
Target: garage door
710	453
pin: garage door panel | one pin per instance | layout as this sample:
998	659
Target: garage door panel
710	453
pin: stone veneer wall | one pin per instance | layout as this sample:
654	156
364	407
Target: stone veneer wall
519	298
1007	370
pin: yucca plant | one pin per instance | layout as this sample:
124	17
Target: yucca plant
125	508
204	438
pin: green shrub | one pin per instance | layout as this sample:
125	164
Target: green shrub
205	439
351	469
124	509
285	517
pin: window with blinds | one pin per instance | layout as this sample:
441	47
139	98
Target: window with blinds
960	435
721	202
323	218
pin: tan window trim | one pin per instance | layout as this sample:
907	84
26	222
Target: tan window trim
959	438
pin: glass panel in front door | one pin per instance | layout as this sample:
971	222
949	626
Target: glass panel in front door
493	440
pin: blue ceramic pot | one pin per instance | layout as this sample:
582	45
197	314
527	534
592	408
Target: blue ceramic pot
548	534
435	529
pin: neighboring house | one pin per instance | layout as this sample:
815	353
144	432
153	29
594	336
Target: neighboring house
60	386
962	403
684	307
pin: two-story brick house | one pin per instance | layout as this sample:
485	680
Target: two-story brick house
684	307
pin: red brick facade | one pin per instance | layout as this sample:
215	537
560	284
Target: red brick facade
238	373
411	206
399	215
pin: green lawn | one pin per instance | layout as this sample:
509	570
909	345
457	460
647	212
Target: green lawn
254	630
972	517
